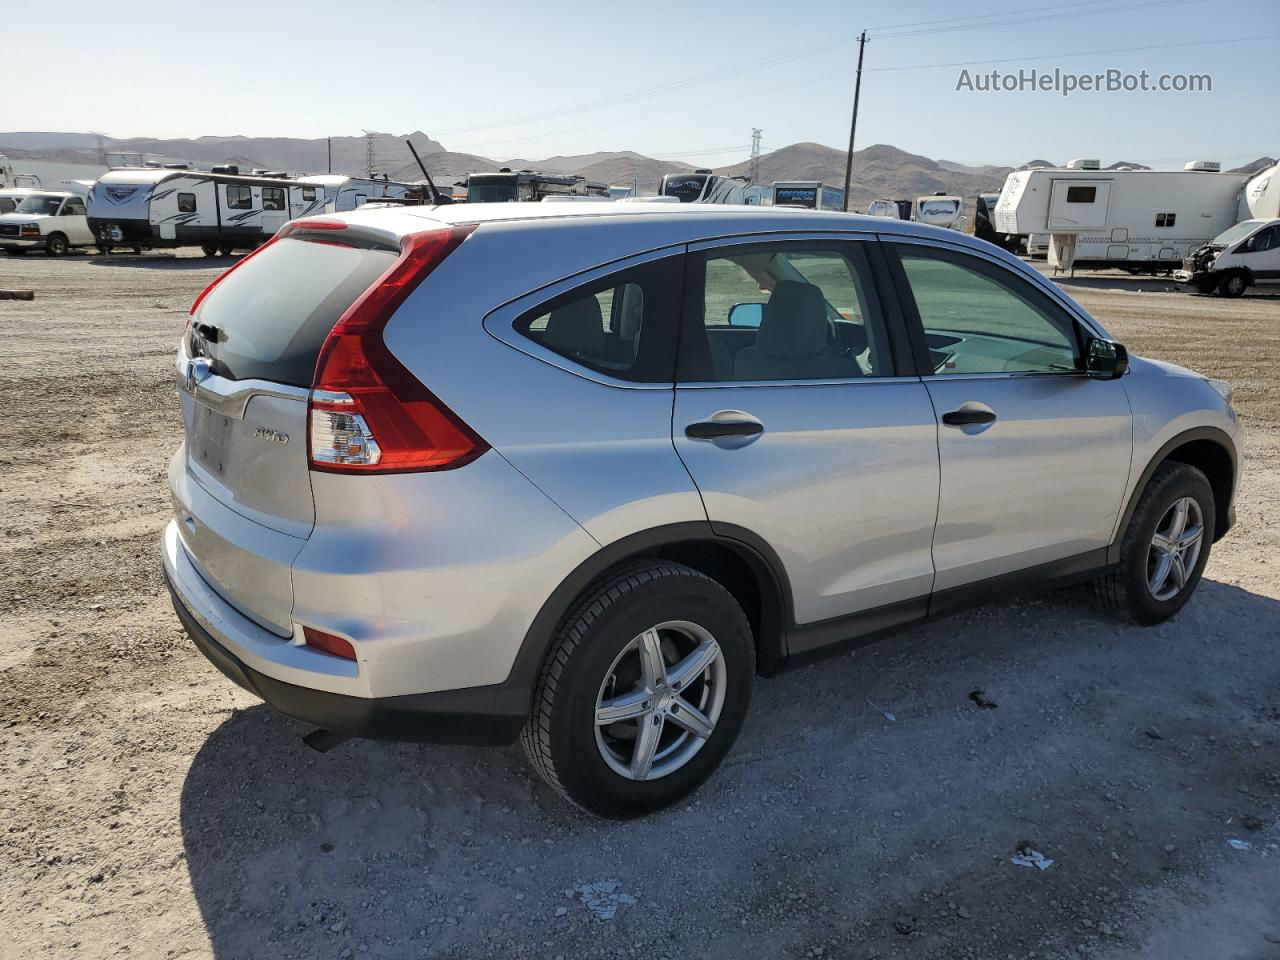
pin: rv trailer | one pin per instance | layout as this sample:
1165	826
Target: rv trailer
940	210
984	224
12	181
890	209
810	194
519	186
218	212
703	186
1143	221
341	193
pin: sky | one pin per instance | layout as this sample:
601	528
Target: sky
683	81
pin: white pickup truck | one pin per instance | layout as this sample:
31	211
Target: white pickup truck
50	221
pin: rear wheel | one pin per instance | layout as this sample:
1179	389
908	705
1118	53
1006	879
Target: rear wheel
1233	285
643	692
1164	549
56	245
210	249
224	251
1206	286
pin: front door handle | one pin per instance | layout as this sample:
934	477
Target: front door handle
714	429
967	417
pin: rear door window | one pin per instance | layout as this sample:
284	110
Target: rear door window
271	315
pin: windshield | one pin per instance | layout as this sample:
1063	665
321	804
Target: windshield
686	188
40	204
491	192
274	312
1238	232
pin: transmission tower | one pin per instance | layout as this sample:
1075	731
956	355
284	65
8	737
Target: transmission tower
753	170
369	161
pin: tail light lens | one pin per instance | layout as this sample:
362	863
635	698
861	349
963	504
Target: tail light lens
328	643
368	414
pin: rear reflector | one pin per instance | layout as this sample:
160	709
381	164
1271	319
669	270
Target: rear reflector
368	413
231	269
329	643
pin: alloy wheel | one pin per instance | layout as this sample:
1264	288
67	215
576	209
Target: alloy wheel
1175	548
660	700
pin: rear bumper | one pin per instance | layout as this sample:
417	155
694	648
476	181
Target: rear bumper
448	716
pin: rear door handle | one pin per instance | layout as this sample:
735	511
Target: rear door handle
966	418
714	429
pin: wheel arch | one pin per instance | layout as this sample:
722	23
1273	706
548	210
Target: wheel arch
734	557
1213	453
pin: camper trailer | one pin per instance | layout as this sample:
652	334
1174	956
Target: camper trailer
890	209
9	180
341	193
703	186
810	194
218	212
519	186
1139	220
984	224
940	210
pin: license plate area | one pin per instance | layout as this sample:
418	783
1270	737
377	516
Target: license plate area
210	438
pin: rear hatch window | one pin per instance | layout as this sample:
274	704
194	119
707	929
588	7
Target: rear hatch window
269	317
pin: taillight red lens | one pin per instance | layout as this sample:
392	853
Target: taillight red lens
329	643
296	226
231	269
368	413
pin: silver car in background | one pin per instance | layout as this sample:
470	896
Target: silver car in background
577	473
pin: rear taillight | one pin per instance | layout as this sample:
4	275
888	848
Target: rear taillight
368	413
328	643
227	272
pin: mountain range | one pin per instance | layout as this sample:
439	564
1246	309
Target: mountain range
878	171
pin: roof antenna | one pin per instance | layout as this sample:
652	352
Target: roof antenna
436	196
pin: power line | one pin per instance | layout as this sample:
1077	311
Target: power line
953	23
1074	53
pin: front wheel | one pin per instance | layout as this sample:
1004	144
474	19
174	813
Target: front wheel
643	692
56	245
1233	285
1164	550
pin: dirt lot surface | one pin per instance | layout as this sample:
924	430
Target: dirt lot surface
151	809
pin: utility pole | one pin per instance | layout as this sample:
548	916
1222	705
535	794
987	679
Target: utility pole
368	153
753	170
329	144
853	124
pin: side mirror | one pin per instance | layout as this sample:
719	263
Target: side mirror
1105	359
746	315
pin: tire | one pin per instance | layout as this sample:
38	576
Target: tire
56	245
225	251
210	249
598	656
1233	285
1127	592
1205	287
103	249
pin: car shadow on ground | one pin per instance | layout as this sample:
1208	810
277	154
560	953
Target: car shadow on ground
162	261
1113	282
859	785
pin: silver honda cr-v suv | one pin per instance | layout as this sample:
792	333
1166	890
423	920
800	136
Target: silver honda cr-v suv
577	473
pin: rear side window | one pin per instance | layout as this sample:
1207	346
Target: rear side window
186	203
239	198
622	325
308	194
273	313
272	198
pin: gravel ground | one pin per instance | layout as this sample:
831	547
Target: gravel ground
870	809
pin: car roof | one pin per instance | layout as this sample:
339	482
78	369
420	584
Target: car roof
686	222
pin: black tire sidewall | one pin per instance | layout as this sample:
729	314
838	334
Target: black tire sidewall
575	755
1181	481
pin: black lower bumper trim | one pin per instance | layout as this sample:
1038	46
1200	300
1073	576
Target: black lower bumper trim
464	716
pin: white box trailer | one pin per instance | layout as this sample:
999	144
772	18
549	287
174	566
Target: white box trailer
219	212
1140	220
